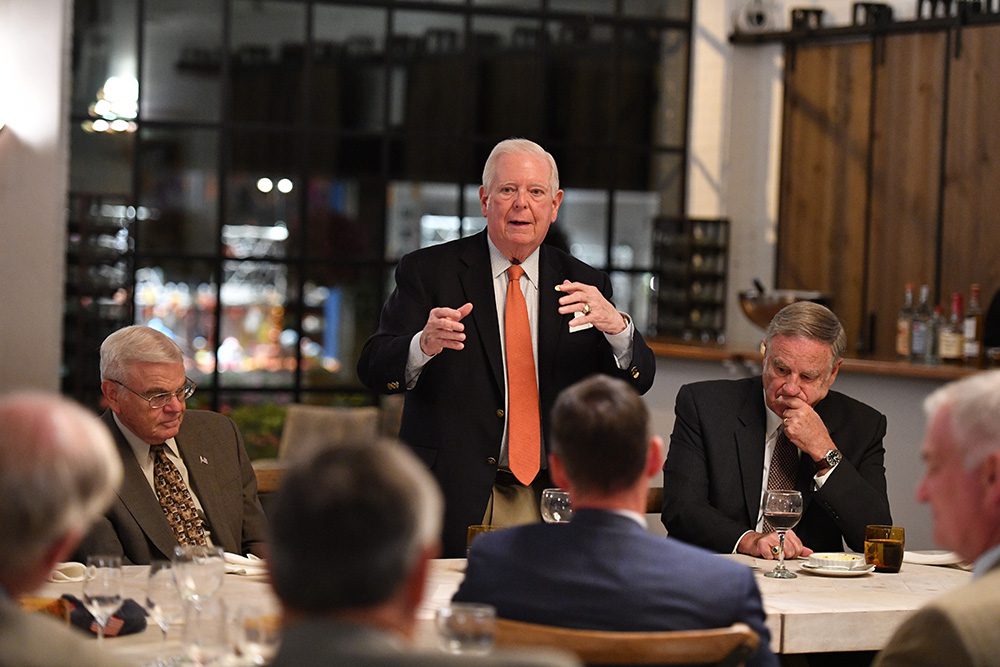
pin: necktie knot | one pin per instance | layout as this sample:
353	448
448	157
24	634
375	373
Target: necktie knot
514	272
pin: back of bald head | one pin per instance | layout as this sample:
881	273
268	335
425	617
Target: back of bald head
58	472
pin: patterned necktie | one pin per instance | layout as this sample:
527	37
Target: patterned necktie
175	499
524	434
784	466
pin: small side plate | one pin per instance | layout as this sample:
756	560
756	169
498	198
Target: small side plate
838	571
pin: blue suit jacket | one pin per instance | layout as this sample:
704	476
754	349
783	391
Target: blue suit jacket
603	571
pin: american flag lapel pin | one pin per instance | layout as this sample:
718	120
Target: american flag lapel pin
203	460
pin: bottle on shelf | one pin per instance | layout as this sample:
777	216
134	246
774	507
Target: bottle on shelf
934	323
973	329
920	339
903	322
951	339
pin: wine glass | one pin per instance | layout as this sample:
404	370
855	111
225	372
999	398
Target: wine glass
782	509
163	600
102	590
556	506
198	572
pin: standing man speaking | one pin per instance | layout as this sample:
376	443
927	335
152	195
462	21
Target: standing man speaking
483	333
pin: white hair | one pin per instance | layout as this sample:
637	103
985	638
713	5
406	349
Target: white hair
515	146
136	344
58	472
972	409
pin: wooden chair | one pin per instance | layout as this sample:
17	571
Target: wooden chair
716	646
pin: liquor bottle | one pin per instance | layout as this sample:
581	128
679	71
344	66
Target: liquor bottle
951	341
920	340
934	323
903	322
973	329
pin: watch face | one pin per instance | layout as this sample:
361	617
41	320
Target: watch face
833	457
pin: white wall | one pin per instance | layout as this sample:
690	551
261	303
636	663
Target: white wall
735	139
33	175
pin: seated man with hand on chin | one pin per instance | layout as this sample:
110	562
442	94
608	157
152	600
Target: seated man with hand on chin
734	440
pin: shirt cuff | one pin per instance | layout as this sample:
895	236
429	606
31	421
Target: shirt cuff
621	343
820	479
415	361
740	539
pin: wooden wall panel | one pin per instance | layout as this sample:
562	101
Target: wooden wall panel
971	239
906	159
821	225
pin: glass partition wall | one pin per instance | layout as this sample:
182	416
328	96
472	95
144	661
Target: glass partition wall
245	173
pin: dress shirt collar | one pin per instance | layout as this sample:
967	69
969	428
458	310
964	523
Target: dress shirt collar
500	263
634	516
139	447
986	562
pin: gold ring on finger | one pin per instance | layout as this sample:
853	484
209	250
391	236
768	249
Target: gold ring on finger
775	549
586	309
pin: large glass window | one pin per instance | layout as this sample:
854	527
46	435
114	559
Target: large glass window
246	173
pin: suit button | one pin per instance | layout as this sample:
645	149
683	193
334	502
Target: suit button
500	413
635	372
491	461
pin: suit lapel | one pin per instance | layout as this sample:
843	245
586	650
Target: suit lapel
477	281
137	496
200	464
750	447
551	325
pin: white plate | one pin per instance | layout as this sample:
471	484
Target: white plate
838	571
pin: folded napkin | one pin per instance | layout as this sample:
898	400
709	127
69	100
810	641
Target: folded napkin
946	558
129	618
248	565
68	572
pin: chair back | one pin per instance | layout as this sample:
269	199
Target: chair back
309	427
716	646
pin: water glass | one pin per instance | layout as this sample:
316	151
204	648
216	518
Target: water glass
556	506
884	547
163	599
258	634
102	590
198	571
206	632
466	628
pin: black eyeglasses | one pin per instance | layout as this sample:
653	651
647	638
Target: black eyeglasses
157	401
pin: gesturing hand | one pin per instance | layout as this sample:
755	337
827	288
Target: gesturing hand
587	299
444	329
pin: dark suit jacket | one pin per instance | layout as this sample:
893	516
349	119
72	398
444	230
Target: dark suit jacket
325	642
713	473
220	472
602	571
454	417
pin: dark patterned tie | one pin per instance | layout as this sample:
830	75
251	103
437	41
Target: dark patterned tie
784	465
175	499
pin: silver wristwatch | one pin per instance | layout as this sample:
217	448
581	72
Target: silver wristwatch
830	459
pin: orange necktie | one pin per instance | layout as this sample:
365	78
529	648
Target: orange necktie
524	434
